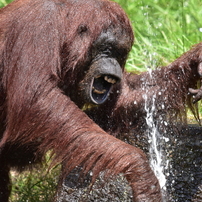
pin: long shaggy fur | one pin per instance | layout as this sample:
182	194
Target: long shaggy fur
45	50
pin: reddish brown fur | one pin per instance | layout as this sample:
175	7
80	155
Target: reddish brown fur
43	51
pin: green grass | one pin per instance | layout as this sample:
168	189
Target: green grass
38	185
4	2
163	31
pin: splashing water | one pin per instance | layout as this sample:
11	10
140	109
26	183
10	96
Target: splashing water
155	150
155	140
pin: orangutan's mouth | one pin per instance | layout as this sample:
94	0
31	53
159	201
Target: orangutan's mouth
101	87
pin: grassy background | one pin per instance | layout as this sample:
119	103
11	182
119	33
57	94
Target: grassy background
163	31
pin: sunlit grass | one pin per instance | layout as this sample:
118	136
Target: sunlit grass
163	30
38	185
4	2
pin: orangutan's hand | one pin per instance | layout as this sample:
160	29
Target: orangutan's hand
197	94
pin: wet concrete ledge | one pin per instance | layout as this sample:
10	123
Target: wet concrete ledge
184	174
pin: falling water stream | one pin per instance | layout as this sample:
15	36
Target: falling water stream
155	150
158	161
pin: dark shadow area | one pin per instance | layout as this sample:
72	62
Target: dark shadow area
186	166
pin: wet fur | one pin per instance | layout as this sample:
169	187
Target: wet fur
44	50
